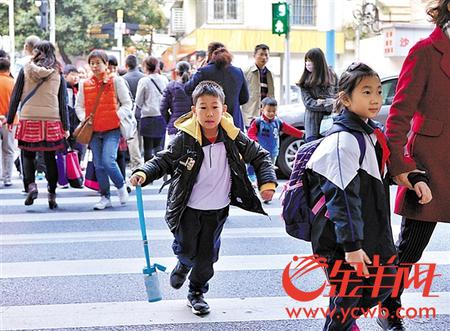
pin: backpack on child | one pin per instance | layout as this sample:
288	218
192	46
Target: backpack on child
297	213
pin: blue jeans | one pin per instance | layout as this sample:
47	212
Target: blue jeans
104	147
251	170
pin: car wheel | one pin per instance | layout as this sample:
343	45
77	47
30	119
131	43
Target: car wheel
288	150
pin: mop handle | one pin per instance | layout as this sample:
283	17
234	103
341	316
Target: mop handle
140	207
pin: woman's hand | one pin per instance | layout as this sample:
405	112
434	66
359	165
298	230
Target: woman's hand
10	127
402	179
66	134
136	180
356	258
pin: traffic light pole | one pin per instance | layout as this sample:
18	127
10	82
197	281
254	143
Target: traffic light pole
287	60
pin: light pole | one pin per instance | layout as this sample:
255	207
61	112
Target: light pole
53	22
12	50
367	20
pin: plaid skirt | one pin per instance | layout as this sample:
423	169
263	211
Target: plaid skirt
35	135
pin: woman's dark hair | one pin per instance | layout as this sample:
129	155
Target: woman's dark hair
4	54
221	57
44	55
320	76
5	64
98	53
183	68
151	63
212	47
350	78
439	13
112	61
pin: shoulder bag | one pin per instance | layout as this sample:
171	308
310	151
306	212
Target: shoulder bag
128	123
83	132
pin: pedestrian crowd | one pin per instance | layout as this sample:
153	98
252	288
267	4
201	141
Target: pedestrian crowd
213	131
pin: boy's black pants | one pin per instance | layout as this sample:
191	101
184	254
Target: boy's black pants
197	244
341	306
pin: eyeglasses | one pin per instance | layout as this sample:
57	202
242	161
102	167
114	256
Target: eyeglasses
354	66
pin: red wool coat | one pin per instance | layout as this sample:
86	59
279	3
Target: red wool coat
423	96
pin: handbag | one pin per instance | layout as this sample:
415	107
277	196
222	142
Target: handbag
61	166
90	179
73	170
83	132
326	124
128	123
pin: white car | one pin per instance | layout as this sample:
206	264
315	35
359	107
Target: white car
294	114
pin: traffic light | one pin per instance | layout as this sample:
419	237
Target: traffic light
280	18
42	19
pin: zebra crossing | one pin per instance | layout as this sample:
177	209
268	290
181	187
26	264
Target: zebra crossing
76	268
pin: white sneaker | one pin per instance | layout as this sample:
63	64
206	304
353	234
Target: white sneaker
103	203
123	194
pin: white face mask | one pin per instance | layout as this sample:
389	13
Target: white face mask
309	66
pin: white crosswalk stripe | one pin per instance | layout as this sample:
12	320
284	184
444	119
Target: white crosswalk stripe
35	228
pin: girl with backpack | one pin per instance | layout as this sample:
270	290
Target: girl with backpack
348	169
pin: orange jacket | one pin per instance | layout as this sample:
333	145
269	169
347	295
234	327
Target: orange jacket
105	117
6	88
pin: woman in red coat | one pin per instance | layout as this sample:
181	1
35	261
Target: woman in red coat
422	106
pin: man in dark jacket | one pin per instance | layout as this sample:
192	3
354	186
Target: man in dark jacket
132	77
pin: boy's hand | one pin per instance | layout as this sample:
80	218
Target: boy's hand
356	258
267	195
136	180
423	192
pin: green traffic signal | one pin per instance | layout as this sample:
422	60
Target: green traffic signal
280	18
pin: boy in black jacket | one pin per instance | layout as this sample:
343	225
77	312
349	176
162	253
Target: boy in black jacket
206	161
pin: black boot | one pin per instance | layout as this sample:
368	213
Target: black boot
52	200
178	275
32	194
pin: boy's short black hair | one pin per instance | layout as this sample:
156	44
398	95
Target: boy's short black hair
264	47
208	87
5	64
70	68
269	101
131	61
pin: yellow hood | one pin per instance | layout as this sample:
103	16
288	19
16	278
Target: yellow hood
188	123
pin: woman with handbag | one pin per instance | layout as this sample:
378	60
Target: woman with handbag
99	101
148	98
39	96
318	85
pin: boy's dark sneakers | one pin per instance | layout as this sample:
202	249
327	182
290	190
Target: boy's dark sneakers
197	303
178	275
391	324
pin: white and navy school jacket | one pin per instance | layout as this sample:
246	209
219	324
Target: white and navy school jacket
357	195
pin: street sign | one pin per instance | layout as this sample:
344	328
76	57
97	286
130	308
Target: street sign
100	35
280	18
